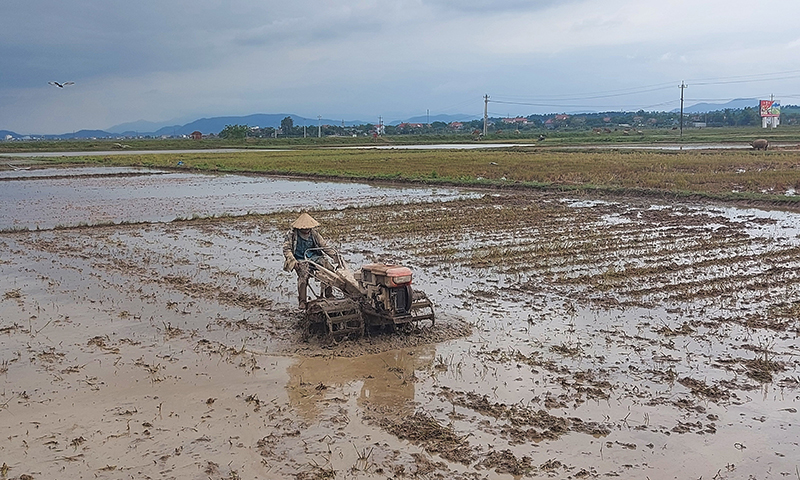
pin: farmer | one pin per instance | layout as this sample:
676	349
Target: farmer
303	242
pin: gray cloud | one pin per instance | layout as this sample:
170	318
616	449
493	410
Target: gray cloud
472	6
158	60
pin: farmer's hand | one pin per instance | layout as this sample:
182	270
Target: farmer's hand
290	264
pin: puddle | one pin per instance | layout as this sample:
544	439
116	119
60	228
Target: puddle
444	146
574	339
669	147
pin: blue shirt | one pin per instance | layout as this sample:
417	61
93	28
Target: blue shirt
302	244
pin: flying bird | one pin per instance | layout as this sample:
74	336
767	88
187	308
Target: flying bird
61	85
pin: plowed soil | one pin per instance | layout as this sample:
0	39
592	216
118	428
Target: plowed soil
575	337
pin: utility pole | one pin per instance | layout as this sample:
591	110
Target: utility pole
682	86
319	126
485	113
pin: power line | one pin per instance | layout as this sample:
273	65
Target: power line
458	105
727	99
600	94
638	106
584	97
659	104
755	77
558	100
730	82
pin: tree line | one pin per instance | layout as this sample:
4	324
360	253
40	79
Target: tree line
738	117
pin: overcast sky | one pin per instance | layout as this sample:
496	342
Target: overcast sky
176	60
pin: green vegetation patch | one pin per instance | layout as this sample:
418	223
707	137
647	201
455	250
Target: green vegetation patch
741	174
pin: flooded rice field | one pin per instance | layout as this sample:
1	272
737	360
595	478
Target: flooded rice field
575	337
47	198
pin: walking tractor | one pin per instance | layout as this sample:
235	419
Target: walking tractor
376	297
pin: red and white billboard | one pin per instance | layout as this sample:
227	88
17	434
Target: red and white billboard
770	108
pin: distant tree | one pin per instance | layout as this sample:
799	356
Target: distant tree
287	125
234	132
790	114
364	128
749	116
263	132
330	130
472	125
438	127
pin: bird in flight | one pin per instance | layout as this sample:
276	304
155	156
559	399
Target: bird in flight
61	85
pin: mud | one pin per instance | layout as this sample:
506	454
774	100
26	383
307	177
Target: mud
575	338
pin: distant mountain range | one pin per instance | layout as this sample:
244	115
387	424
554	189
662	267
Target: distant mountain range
734	104
8	133
217	124
203	125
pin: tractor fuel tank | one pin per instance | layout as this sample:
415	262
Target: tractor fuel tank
389	276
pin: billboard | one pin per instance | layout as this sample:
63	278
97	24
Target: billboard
770	108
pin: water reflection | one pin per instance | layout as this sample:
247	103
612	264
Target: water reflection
64	198
387	379
22	173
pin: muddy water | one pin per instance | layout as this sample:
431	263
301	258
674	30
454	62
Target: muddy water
172	350
45	198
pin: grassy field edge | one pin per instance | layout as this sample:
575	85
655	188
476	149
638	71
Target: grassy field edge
770	177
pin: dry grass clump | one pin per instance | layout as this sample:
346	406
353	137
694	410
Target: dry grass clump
13	294
506	462
424	430
668	331
699	388
761	369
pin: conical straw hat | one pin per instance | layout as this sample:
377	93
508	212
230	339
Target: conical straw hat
305	221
